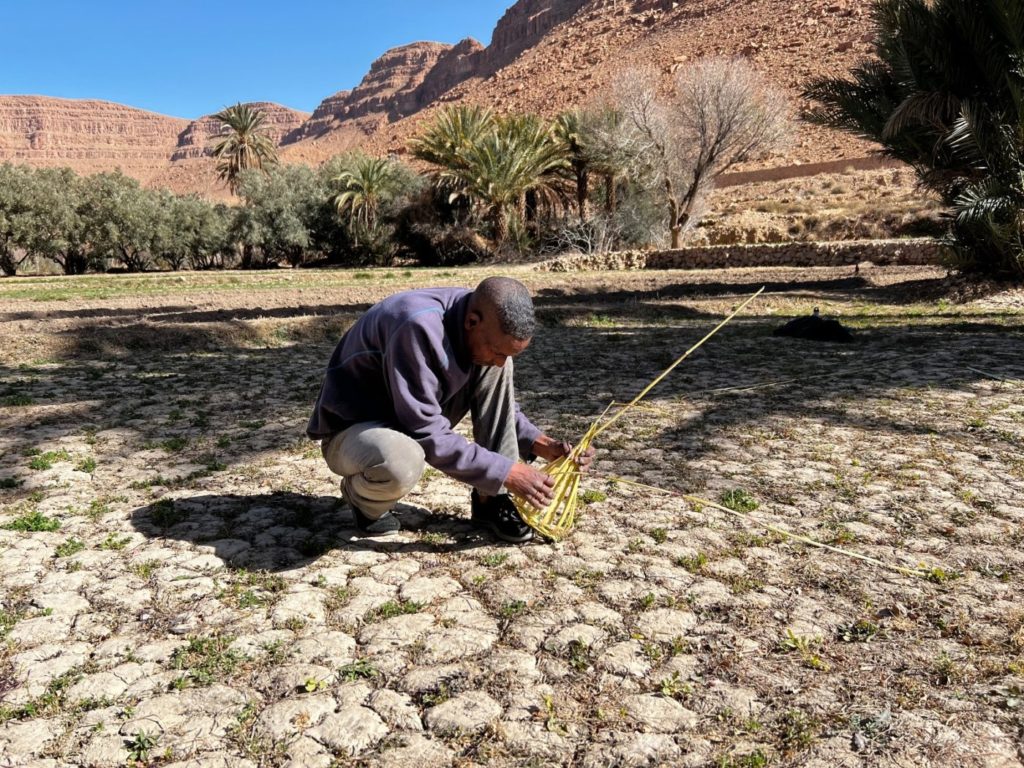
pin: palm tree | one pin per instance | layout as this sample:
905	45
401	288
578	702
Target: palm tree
367	183
518	155
443	142
244	143
492	162
569	129
609	154
945	94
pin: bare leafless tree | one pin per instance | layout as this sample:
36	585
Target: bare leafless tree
721	113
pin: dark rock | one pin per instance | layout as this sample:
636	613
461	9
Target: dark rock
815	328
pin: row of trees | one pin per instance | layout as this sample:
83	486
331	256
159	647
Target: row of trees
89	223
108	220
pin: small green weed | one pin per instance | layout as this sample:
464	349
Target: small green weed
140	745
579	655
87	465
805	647
70	547
798	730
97	509
693	564
33	522
860	631
164	514
115	543
48	459
674	688
357	670
941	576
145	569
207	659
174	444
391	609
755	759
512	609
738	500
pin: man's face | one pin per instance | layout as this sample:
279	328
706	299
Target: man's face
487	344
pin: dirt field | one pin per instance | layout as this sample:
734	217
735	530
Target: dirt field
181	586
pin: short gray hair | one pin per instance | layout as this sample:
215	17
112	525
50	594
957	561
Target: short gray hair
512	304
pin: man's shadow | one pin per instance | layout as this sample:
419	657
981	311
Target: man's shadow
285	531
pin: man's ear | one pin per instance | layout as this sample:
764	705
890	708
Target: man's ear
473	319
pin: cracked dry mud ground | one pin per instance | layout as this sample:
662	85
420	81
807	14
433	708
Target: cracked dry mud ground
180	585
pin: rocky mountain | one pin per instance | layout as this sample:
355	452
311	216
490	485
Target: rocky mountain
388	91
573	62
88	135
544	56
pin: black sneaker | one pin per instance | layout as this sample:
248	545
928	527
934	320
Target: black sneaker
387	523
500	515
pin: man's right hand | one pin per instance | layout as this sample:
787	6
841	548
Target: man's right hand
527	483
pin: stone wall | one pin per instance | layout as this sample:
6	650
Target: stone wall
795	254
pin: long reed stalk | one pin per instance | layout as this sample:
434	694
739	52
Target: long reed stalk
556	520
922	572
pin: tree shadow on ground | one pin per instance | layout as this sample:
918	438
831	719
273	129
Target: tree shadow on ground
186	315
187	400
285	531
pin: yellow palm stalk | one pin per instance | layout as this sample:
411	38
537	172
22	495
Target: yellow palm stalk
557	519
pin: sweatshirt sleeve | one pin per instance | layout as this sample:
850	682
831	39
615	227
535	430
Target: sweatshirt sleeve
415	351
527	433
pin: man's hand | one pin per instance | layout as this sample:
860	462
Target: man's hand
550	449
529	484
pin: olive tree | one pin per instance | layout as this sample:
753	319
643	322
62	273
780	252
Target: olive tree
720	113
121	220
57	227
279	209
15	216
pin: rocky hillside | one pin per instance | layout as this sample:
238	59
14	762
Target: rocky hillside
88	135
573	60
545	56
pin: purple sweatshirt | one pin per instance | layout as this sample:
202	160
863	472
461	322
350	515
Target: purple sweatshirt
400	364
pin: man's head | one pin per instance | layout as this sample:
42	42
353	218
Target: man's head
499	322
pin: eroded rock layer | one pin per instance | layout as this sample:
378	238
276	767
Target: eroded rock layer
88	135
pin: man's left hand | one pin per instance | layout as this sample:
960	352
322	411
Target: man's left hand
550	449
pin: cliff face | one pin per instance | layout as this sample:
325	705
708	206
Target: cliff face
405	80
197	139
453	67
387	92
88	135
522	27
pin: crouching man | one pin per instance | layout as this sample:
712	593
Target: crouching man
405	375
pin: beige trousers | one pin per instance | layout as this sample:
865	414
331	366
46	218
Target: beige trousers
380	465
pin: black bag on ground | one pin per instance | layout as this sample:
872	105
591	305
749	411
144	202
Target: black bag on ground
816	328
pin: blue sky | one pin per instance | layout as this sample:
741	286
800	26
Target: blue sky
189	58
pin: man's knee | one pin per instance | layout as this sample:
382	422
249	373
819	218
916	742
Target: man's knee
400	467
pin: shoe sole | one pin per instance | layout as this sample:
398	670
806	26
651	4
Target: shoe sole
528	536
